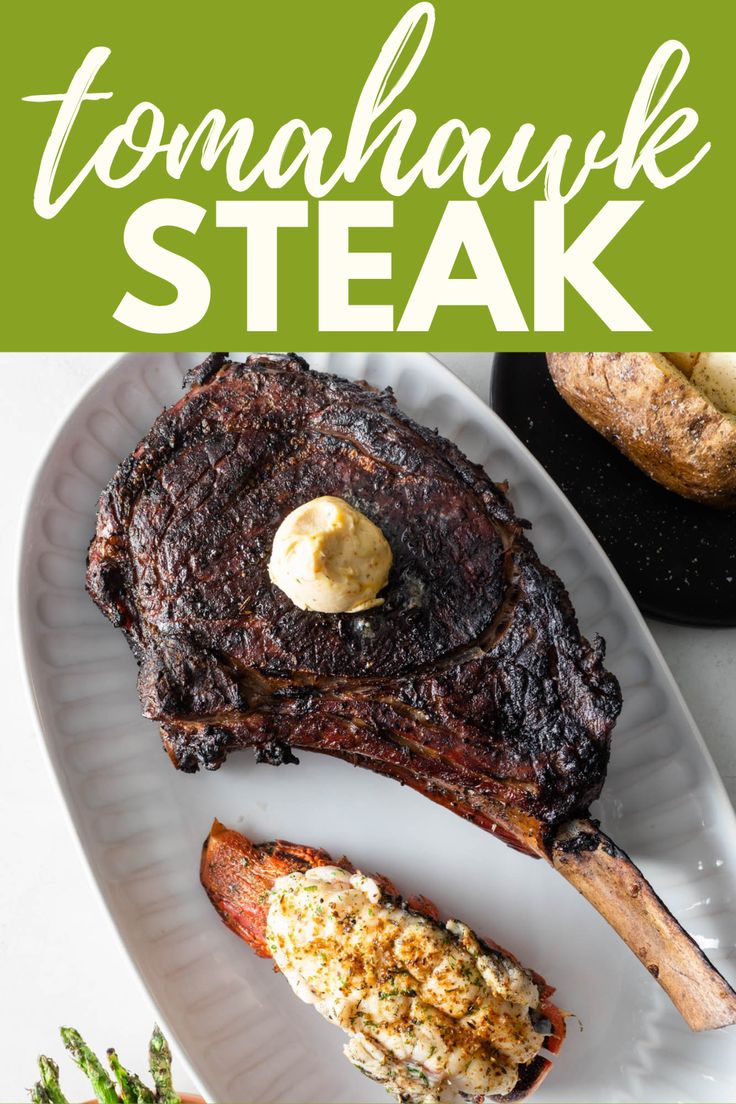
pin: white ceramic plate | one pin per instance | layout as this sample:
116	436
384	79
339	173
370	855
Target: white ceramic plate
141	823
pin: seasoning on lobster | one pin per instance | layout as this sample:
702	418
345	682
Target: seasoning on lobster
432	1012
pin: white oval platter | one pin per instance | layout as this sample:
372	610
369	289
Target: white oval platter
141	824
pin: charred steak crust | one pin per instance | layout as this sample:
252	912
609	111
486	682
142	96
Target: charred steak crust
471	683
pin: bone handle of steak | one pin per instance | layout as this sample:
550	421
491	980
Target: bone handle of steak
608	878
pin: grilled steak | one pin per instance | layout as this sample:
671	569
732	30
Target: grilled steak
471	683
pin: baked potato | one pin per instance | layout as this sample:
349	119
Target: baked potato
673	414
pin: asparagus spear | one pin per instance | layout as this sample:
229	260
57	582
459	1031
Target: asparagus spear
90	1065
50	1078
132	1089
159	1057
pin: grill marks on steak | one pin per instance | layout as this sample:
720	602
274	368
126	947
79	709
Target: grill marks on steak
471	683
199	507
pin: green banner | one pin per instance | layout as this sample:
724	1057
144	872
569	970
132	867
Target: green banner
462	174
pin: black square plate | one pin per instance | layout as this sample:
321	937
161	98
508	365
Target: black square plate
677	558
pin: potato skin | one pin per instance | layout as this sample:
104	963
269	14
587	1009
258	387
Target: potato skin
646	407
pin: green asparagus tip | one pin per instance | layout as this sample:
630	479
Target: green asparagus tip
50	1078
128	1094
90	1065
158	1042
70	1037
132	1089
159	1057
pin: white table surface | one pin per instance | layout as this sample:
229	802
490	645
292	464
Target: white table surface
60	959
